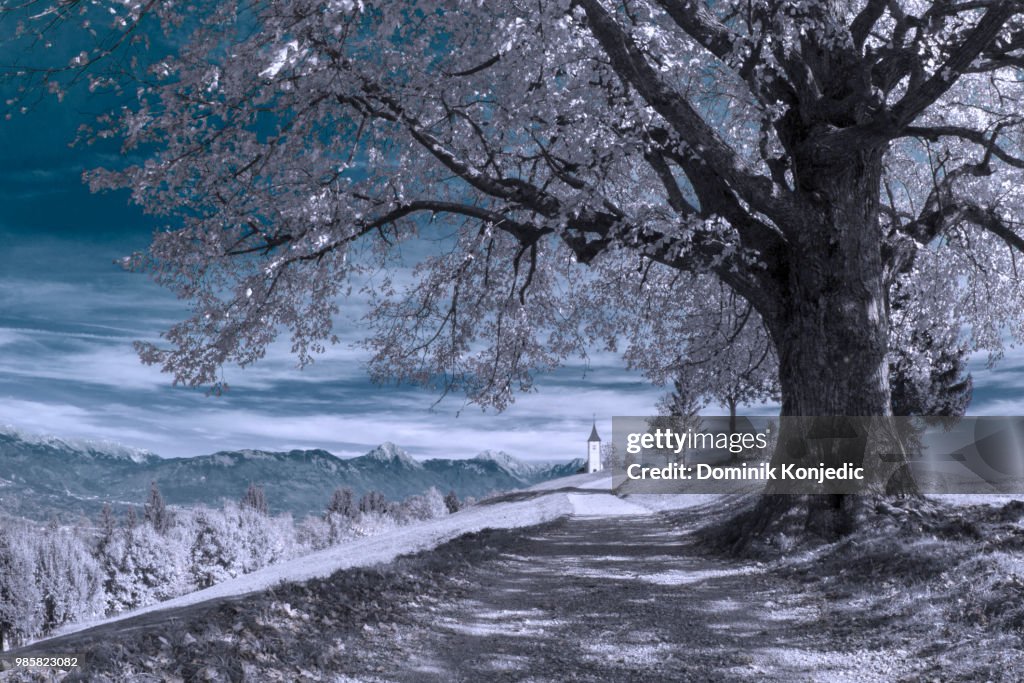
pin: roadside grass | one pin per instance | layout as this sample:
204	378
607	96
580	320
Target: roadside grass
291	632
944	583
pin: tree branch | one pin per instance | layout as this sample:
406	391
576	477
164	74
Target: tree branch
697	21
933	133
628	61
862	24
989	220
980	37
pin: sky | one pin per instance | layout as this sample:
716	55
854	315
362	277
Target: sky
68	316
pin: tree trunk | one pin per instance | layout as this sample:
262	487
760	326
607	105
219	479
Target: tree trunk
829	324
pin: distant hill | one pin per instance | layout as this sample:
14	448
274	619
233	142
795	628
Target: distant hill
45	476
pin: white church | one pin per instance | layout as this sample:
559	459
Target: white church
594	450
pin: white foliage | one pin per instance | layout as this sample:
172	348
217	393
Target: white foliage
428	506
20	598
70	580
143	566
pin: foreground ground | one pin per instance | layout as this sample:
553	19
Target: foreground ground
613	592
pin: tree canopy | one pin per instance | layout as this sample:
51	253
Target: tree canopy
813	157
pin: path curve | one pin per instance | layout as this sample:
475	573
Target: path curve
619	596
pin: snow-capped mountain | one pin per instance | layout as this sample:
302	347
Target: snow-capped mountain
390	454
43	476
513	466
108	450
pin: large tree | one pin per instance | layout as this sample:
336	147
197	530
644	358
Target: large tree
810	156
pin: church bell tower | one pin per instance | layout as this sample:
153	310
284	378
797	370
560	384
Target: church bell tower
594	450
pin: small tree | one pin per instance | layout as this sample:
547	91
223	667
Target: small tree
257	538
122	561
610	456
730	360
342	502
255	499
69	578
340	513
155	511
373	502
141	566
314	532
213	555
682	404
108	522
427	506
451	501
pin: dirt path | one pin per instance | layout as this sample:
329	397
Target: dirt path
615	599
613	593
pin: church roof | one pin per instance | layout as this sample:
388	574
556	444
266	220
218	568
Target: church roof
593	434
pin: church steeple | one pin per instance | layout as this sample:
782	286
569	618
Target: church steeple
594	449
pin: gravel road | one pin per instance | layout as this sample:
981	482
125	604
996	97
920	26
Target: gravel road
627	598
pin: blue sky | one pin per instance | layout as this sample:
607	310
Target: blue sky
68	316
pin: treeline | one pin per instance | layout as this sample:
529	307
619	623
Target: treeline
53	575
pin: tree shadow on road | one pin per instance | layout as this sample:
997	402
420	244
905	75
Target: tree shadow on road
608	599
632	598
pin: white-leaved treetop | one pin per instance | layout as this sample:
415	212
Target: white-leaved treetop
588	162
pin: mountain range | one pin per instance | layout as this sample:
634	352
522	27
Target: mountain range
43	477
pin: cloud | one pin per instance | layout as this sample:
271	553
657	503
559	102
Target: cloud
70	421
185	423
68	369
